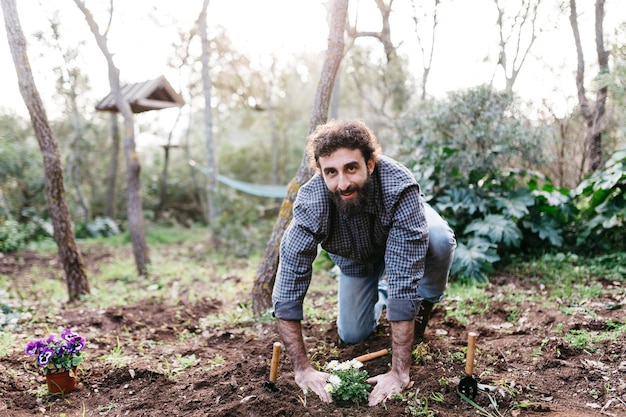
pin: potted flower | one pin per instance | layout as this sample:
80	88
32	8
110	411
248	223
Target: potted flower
347	383
58	358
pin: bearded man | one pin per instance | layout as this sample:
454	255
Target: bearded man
392	249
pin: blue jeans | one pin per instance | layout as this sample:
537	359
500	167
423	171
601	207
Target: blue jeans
361	299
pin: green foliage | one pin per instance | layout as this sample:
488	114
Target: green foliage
21	173
100	227
588	340
601	200
14	235
474	260
347	382
474	154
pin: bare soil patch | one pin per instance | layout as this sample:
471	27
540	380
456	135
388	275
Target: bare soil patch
523	359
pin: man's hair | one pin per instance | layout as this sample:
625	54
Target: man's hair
337	134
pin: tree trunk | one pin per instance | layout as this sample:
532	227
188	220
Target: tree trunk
266	273
133	166
593	115
71	258
111	191
163	192
74	165
208	118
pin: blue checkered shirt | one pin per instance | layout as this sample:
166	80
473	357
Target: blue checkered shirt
391	229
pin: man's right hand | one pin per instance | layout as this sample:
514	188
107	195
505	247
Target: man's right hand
306	376
310	379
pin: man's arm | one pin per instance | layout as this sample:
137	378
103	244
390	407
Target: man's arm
398	377
305	375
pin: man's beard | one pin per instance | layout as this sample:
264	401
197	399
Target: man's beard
358	204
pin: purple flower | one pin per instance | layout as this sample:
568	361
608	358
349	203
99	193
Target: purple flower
57	353
77	344
45	356
68	335
33	348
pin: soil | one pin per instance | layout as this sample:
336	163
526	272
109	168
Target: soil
531	371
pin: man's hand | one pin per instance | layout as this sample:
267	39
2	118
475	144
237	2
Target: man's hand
386	385
397	378
310	379
306	376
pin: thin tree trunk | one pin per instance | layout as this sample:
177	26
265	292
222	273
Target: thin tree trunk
266	273
163	191
74	165
593	115
133	167
71	258
110	206
208	118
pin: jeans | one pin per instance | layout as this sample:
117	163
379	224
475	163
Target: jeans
361	299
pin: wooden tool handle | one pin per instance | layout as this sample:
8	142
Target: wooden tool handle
372	355
275	359
471	347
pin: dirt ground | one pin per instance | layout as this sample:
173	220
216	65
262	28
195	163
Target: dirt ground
533	372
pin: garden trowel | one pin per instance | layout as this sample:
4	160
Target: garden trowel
468	385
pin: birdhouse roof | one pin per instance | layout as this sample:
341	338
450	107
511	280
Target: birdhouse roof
148	95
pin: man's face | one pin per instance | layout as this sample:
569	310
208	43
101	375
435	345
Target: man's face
346	175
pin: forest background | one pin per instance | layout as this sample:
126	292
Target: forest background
513	121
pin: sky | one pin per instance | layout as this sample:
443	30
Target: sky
143	30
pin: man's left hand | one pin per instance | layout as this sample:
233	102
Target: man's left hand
386	385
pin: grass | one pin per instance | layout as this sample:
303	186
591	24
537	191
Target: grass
588	339
116	357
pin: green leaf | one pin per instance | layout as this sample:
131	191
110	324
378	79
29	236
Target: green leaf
497	228
548	229
474	260
516	203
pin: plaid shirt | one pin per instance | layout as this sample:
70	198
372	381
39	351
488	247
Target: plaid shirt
391	229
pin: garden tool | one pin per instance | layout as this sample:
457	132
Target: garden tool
468	384
271	384
372	355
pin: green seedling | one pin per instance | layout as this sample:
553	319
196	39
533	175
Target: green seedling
116	357
216	362
419	408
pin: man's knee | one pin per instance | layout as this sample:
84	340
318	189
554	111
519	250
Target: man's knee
441	242
352	336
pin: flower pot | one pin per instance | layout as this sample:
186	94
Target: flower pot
61	382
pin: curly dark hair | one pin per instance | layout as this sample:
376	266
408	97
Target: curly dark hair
336	134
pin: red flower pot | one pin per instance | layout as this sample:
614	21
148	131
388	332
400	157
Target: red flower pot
61	382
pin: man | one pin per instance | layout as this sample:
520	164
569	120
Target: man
366	210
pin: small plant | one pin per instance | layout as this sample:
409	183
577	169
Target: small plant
421	353
347	381
216	362
116	357
437	397
418	408
58	354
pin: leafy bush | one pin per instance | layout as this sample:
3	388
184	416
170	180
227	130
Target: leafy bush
21	177
14	235
473	155
100	227
601	200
